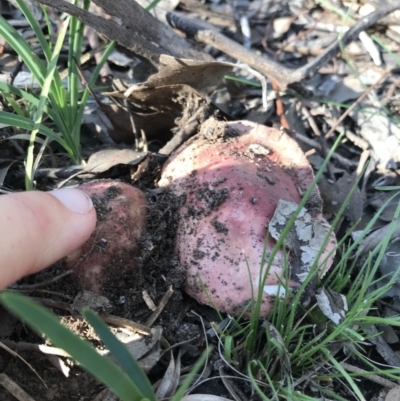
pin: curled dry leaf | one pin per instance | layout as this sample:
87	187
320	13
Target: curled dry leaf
233	176
103	160
203	76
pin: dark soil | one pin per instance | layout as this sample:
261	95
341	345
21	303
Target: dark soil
307	111
160	270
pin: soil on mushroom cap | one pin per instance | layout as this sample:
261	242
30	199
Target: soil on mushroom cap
234	175
158	266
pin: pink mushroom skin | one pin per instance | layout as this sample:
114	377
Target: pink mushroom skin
112	250
232	187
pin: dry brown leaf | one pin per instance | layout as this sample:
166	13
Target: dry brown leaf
203	76
103	160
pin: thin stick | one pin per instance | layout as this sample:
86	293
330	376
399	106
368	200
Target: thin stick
357	102
374	378
119	321
284	75
160	307
14	389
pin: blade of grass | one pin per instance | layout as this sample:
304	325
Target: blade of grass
25	137
41	152
29	171
25	52
77	127
49	26
279	245
152	5
349	379
32	99
121	354
190	377
73	78
255	385
36	28
57	93
44	322
13	120
15	106
74	54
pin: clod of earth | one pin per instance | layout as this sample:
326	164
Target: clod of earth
241	179
112	251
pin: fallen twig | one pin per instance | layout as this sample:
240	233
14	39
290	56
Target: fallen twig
357	102
160	307
374	378
283	74
14	389
316	145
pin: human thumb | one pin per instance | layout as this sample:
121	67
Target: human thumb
39	228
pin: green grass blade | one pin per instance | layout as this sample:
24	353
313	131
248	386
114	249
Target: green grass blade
13	103
77	127
13	120
256	387
41	152
122	355
74	55
28	56
58	99
32	99
73	76
49	26
55	116
44	322
152	5
36	28
57	93
339	367
29	170
189	378
228	346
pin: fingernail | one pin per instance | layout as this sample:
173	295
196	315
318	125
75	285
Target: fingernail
73	199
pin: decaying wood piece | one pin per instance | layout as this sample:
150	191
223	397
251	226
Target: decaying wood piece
139	31
281	73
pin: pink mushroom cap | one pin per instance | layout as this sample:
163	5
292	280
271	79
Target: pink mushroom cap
234	175
112	250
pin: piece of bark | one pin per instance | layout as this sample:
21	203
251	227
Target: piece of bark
139	32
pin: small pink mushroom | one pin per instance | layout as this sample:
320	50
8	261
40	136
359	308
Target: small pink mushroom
112	250
234	176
